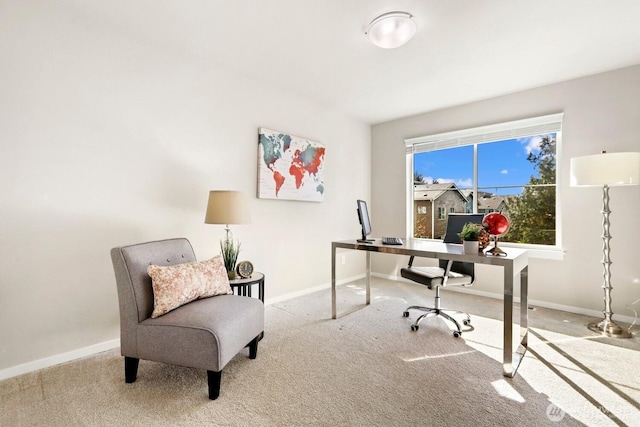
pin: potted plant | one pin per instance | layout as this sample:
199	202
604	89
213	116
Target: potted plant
230	250
469	234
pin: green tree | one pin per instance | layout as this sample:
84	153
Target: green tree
533	213
418	178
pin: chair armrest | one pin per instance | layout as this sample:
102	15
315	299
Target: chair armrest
445	278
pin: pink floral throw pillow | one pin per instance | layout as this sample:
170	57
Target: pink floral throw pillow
176	285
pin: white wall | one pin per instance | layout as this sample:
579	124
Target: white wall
601	113
109	139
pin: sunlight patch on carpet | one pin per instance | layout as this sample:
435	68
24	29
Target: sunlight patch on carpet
505	389
439	356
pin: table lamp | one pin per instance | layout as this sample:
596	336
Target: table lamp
228	207
605	170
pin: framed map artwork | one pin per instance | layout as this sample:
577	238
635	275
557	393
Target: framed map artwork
289	167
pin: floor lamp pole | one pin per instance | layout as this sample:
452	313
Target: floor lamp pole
607	326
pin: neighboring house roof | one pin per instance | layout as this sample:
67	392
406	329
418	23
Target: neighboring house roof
432	191
468	193
493	203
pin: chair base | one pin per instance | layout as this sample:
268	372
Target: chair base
432	311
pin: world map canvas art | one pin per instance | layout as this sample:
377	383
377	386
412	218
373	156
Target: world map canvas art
289	167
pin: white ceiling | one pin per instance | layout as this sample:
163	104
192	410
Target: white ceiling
464	50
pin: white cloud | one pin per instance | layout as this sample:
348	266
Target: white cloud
504	172
464	183
459	182
531	143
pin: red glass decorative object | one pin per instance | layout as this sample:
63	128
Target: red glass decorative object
497	225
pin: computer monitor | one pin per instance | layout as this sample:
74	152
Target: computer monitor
363	217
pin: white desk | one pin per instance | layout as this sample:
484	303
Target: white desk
516	262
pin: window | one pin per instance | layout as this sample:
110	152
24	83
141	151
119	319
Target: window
508	167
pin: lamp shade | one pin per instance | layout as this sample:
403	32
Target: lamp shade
605	169
391	30
227	207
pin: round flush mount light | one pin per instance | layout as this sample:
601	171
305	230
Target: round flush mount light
391	30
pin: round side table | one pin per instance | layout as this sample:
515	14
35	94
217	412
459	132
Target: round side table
243	287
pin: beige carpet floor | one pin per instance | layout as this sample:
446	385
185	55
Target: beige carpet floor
364	369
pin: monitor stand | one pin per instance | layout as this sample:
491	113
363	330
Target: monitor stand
365	241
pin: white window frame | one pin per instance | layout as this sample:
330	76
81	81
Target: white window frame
540	125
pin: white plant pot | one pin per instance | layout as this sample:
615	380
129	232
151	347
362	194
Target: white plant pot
470	247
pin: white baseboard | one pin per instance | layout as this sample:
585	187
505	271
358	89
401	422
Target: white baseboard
69	356
108	345
545	304
57	359
302	292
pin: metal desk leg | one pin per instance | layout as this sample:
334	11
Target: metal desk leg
524	309
507	324
368	281
511	359
334	314
333	281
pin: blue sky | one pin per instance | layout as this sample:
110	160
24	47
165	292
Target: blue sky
501	163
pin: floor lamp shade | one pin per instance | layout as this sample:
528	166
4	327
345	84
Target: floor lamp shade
227	207
605	170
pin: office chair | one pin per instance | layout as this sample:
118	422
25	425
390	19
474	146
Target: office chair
448	273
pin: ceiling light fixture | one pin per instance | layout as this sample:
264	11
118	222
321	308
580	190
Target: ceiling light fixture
391	30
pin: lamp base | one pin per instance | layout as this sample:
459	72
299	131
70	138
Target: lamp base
496	251
609	328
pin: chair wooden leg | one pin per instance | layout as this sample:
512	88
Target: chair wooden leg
214	378
253	347
130	369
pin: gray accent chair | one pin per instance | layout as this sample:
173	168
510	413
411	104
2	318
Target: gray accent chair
203	334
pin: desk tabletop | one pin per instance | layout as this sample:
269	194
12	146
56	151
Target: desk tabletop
436	249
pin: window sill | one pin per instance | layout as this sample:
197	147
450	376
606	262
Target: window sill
539	252
553	254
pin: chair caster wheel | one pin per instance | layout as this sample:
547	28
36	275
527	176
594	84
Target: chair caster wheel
414	328
405	314
456	334
466	322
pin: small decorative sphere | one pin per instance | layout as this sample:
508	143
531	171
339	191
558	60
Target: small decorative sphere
496	223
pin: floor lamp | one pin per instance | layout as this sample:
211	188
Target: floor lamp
606	170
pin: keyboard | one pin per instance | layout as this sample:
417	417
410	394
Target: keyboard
391	241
